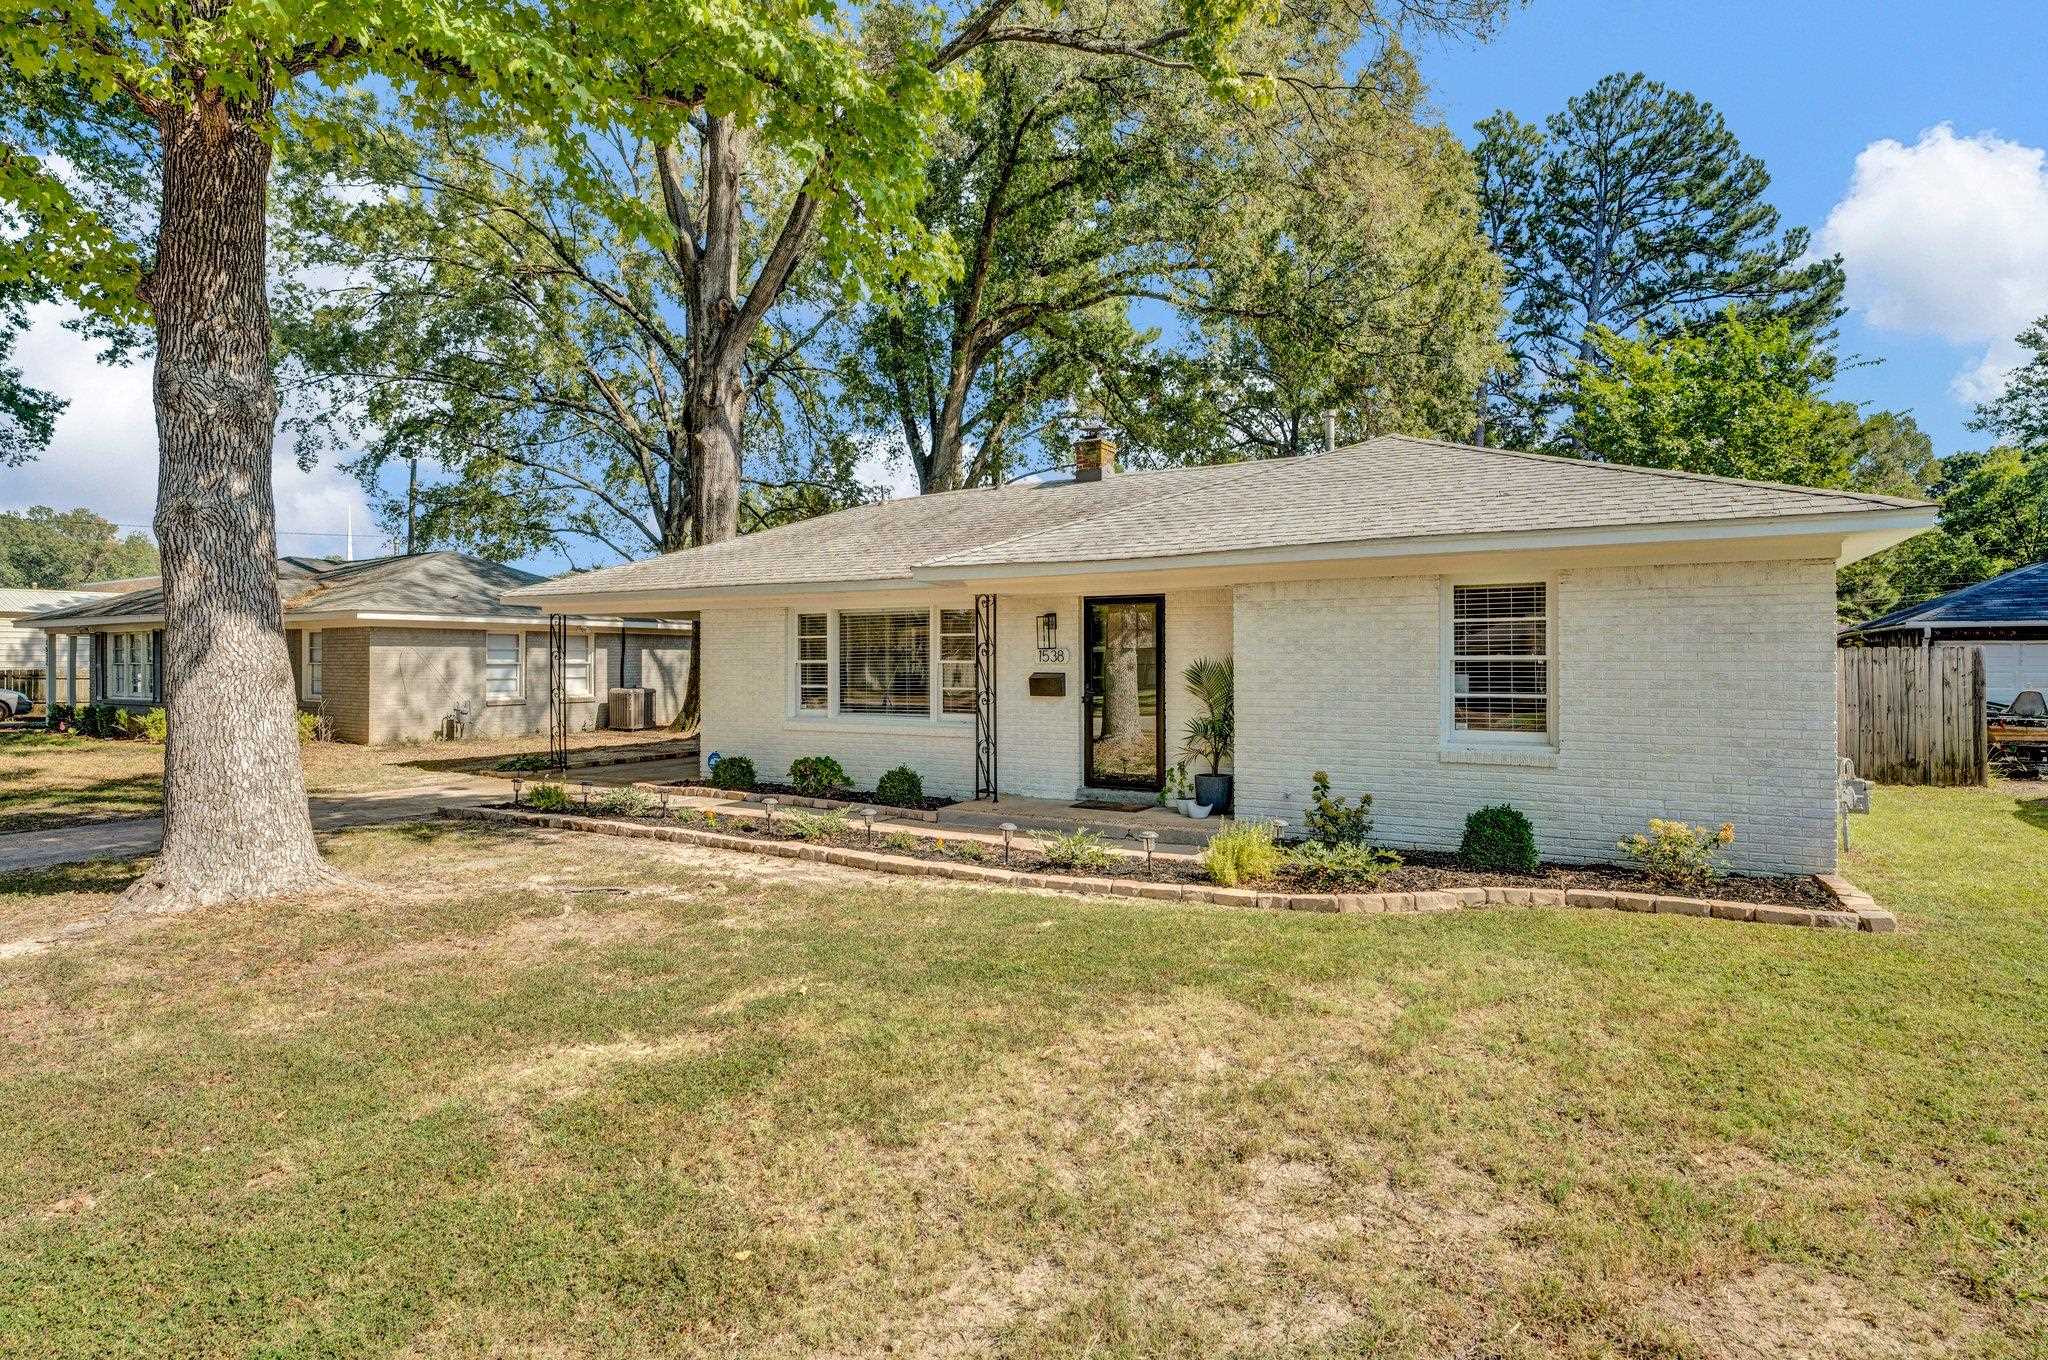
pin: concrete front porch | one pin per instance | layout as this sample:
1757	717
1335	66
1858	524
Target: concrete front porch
1060	814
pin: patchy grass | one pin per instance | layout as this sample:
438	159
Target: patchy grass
49	780
546	1096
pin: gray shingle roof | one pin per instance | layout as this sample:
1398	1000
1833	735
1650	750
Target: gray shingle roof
1385	489
440	584
2019	596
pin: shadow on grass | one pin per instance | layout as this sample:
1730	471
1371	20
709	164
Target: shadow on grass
46	809
105	877
2034	812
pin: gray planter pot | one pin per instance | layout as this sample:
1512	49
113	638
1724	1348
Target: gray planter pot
1213	790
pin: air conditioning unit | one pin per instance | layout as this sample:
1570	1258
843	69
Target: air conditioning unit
630	710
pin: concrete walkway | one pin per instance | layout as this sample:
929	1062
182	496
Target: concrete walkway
133	836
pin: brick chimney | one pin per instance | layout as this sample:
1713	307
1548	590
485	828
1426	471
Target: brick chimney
1094	454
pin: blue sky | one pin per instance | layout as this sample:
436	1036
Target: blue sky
1910	137
1808	85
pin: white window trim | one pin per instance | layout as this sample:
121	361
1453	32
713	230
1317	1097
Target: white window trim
934	718
134	679
307	689
519	642
1452	739
589	666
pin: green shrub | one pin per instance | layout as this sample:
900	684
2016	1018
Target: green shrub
60	713
1337	868
974	852
900	787
733	772
818	776
153	726
531	760
815	826
1242	852
900	842
309	727
627	802
549	798
1498	840
1078	849
1332	821
1678	854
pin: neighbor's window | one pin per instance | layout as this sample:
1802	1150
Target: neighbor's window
956	660
128	666
1500	661
885	663
813	682
576	667
314	657
502	679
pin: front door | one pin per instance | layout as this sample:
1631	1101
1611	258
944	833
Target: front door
1124	709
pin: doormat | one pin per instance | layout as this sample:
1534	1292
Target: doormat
1104	805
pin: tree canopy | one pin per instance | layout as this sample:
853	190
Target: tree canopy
1633	207
55	549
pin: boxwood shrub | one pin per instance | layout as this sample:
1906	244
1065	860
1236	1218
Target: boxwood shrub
816	776
1499	840
733	772
900	787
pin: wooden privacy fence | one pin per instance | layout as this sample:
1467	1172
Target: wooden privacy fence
28	682
1912	714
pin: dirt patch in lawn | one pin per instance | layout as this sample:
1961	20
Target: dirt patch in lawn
1780	1312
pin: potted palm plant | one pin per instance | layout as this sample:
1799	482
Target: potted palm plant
1210	733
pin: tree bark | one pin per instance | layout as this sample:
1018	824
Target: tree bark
235	819
718	409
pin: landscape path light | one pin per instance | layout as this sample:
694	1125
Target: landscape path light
1008	829
1150	838
517	781
867	819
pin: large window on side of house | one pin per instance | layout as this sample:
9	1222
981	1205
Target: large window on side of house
503	679
1500	662
129	666
576	667
885	663
813	664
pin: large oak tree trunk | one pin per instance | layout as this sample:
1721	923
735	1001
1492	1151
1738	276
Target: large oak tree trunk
235	817
718	407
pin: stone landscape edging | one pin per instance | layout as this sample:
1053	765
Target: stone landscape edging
1873	919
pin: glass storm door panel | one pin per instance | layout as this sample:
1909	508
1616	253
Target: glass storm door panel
1125	737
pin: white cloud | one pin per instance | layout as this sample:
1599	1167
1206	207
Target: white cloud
884	466
104	454
1948	237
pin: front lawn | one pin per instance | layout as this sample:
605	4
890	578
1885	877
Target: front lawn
568	1096
49	780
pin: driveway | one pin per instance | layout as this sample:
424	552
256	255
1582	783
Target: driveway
132	836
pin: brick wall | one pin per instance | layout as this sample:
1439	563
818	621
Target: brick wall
347	686
746	678
1703	692
418	675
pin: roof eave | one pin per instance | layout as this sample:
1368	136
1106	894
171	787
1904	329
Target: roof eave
1868	531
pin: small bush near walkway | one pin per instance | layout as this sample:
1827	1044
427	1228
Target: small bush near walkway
818	776
1243	852
733	772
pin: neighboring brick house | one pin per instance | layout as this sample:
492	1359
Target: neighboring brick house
404	648
1444	626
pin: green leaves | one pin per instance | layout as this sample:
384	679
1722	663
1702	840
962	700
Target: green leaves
1735	399
1633	207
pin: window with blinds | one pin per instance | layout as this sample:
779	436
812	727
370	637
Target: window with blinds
813	664
315	656
576	666
502	680
885	663
956	661
1500	660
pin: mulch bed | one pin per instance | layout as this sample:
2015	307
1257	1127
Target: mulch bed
1421	870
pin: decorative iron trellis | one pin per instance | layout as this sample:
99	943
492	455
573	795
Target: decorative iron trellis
558	691
985	697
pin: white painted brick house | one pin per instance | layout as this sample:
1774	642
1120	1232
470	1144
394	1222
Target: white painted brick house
1444	626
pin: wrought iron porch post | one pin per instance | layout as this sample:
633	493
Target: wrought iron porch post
558	691
985	698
